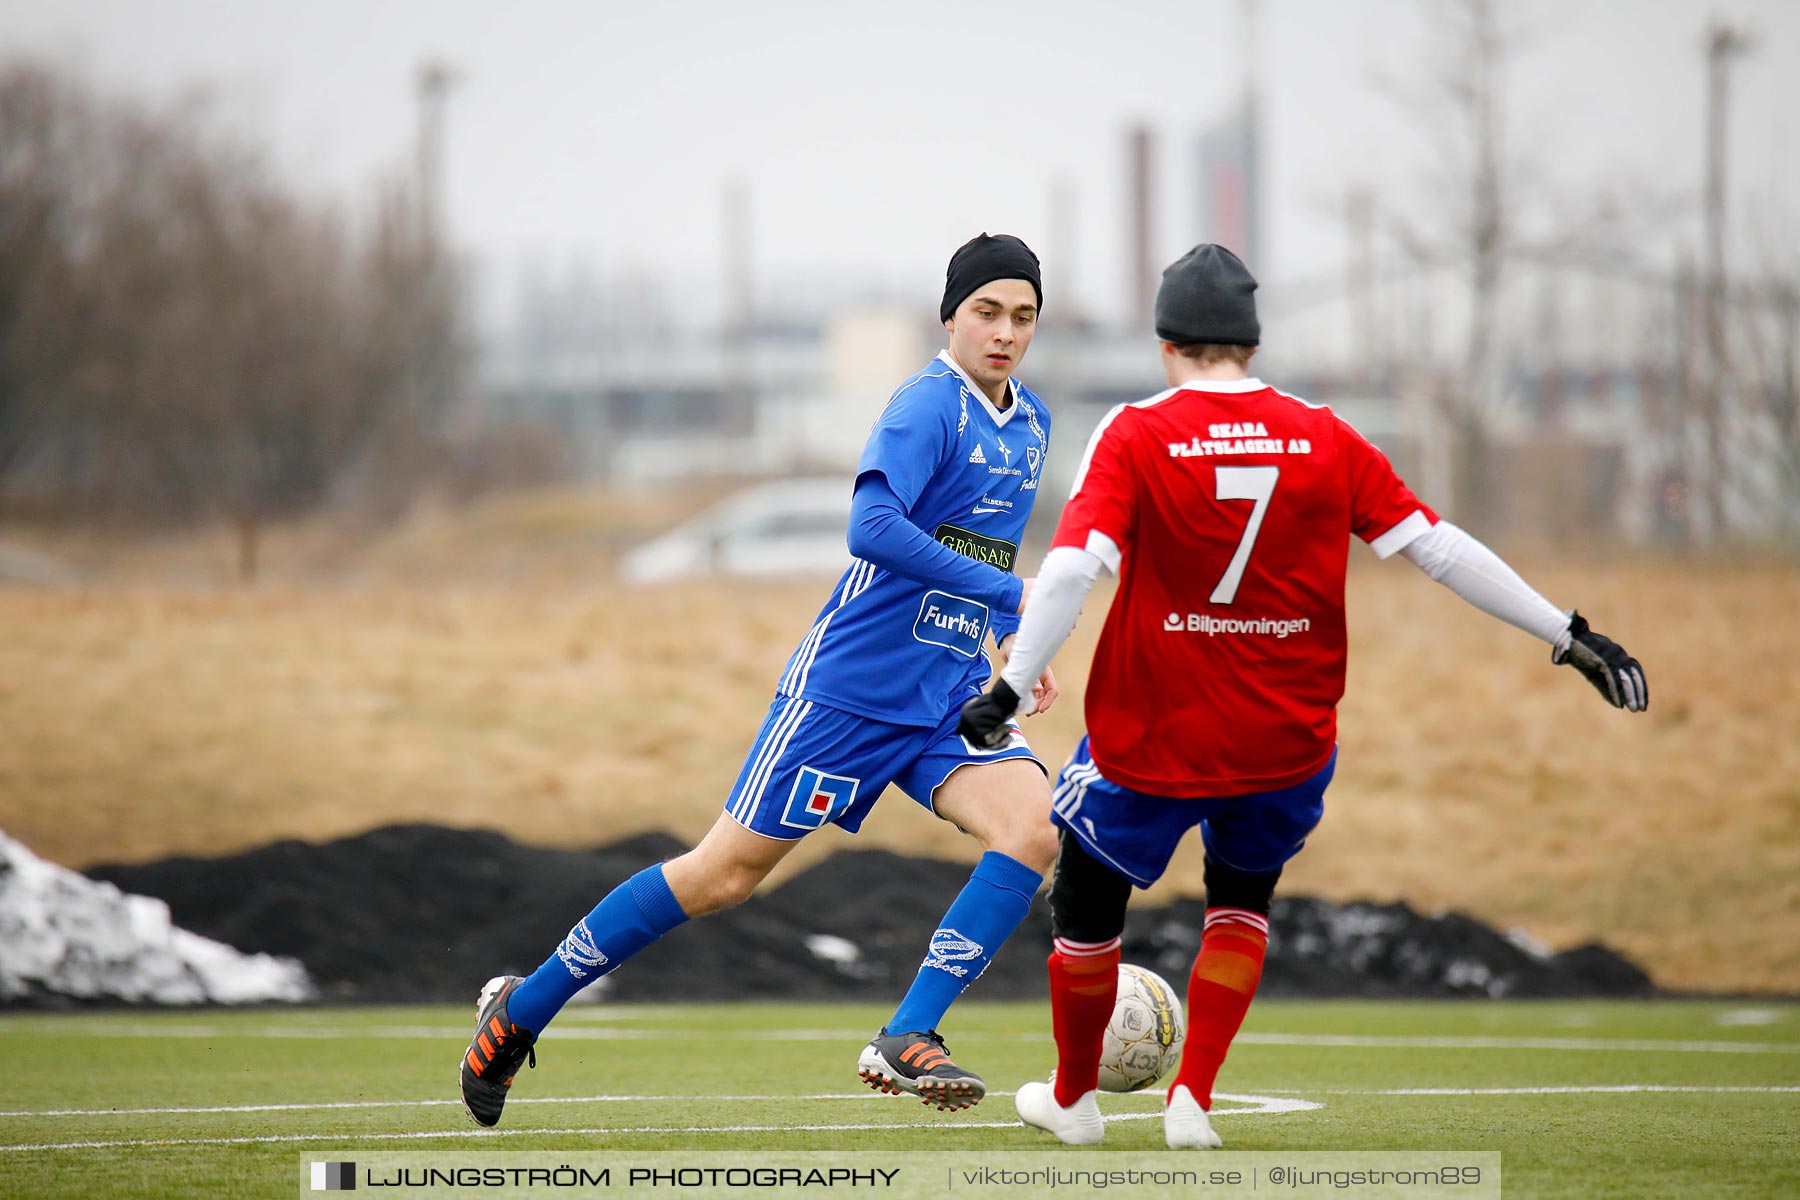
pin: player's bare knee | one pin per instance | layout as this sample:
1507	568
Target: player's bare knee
736	884
724	869
716	889
1019	827
705	881
1035	844
1005	806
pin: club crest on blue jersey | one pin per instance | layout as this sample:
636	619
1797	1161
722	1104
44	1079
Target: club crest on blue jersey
951	621
818	799
1034	455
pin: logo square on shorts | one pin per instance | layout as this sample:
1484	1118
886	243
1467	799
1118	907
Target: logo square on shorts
818	799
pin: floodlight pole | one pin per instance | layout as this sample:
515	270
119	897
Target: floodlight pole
433	82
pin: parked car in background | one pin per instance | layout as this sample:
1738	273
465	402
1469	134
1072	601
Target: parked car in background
787	528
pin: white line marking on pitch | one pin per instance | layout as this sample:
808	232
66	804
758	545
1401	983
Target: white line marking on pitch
1263	1106
460	1033
334	1104
325	1106
1635	1045
1750	1016
347	1032
1544	1091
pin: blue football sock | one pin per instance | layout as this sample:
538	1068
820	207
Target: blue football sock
633	915
984	914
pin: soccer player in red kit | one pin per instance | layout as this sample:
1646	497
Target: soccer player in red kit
1223	506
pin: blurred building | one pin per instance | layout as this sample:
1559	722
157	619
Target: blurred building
799	398
1590	423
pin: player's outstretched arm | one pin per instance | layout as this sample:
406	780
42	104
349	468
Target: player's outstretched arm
1474	572
1061	586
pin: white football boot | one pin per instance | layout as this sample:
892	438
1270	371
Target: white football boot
1185	1126
1080	1124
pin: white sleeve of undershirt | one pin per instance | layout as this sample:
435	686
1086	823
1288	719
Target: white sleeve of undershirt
1449	555
1056	598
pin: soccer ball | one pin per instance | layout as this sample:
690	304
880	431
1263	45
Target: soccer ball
1143	1039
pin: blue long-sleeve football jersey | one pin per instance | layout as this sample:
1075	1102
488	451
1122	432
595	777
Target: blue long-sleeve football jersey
897	649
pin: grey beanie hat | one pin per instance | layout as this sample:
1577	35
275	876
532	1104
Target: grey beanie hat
1207	295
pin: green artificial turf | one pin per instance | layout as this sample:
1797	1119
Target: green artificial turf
242	1098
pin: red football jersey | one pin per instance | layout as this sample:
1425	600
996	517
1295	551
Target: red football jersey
1222	660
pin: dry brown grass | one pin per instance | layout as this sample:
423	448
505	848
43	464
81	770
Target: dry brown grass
566	536
138	722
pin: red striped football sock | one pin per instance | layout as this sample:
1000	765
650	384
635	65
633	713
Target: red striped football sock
1224	979
1084	982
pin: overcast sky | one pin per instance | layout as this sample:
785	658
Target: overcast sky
876	138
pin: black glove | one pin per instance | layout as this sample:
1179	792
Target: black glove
1614	673
984	719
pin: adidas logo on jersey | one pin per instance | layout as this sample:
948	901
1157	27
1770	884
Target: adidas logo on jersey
976	456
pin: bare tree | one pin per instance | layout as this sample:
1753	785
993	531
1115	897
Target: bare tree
1766	316
1781	392
1483	208
44	127
1469	225
182	338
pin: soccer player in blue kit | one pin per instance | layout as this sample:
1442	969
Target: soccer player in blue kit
871	697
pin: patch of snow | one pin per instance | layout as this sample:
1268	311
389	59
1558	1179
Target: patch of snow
68	935
833	949
1472	975
1519	937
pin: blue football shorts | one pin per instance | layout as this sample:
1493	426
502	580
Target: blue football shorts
813	765
1137	832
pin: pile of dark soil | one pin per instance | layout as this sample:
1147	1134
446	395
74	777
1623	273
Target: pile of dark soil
421	913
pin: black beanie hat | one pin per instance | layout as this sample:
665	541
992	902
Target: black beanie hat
983	259
1207	295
